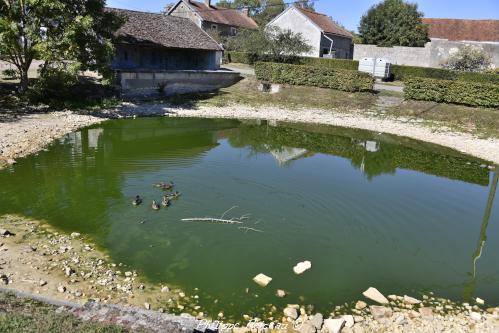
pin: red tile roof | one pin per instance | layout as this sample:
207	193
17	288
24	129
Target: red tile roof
232	17
325	23
459	30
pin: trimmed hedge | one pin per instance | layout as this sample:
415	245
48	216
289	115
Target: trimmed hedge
399	72
456	92
338	79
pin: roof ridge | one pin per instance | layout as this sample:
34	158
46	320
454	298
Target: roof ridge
457	19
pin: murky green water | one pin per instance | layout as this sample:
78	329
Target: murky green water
365	209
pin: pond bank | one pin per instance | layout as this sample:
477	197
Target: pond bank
67	272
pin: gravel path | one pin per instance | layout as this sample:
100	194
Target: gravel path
29	134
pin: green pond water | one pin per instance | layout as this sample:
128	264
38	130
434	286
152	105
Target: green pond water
366	209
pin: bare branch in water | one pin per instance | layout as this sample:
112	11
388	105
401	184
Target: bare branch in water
211	219
228	210
250	229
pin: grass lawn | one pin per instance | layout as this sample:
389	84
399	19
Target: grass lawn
20	315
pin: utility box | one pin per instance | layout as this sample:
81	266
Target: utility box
377	67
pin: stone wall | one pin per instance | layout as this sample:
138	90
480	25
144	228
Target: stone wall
434	54
148	84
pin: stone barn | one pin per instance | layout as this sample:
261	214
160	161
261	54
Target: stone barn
158	52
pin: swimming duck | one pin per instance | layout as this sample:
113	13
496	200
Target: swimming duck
173	195
165	186
166	201
155	205
137	201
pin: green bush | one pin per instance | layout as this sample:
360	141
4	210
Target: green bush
400	72
338	79
456	92
330	63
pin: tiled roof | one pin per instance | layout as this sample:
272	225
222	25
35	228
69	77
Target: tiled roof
232	17
460	30
159	29
325	23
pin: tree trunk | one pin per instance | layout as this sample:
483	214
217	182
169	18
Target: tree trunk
23	85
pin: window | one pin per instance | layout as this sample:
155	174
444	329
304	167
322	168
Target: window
233	31
214	27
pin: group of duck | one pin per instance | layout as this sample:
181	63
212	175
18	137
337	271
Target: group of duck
167	197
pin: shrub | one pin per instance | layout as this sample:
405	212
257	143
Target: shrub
456	92
469	59
400	72
330	63
314	76
10	74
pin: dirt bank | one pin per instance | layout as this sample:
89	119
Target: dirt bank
24	135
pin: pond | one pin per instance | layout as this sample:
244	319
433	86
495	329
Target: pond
366	209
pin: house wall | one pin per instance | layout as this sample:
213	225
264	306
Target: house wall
298	23
149	84
182	10
342	46
433	54
136	57
223	30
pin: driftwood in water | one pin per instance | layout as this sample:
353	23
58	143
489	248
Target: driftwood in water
211	219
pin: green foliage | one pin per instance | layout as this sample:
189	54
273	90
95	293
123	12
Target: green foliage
344	80
10	74
262	11
469	59
393	22
55	31
402	72
272	42
456	92
330	63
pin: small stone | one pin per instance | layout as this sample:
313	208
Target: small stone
333	325
375	295
280	293
78	293
4	279
411	300
128	274
61	289
75	234
5	232
307	328
317	321
262	280
165	289
476	316
381	314
479	301
42	283
349	321
358	319
400	320
301	267
141	287
413	314
181	294
360	305
147	306
426	313
392	297
69	271
290	313
220	315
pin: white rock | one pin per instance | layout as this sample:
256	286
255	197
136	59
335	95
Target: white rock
375	295
61	289
360	305
333	325
479	301
262	279
75	234
128	274
290	313
280	293
165	289
42	283
147	306
301	267
349	321
476	316
317	321
411	300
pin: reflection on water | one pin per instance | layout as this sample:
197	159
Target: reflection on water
367	209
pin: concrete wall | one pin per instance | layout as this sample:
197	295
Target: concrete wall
155	58
147	84
434	54
293	20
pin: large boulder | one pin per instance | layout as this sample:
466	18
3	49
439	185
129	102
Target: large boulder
334	325
374	295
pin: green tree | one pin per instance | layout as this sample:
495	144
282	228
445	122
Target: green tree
271	9
262	11
470	59
56	31
271	42
305	4
393	22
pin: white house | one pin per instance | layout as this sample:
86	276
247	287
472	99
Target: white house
325	37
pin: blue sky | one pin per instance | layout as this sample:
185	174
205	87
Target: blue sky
349	12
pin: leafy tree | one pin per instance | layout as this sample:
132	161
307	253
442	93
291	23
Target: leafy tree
271	42
271	9
57	31
393	22
262	11
469	59
305	4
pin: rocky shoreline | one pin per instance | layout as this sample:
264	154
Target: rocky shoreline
66	268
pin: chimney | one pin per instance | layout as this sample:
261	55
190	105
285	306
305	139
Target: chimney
208	3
